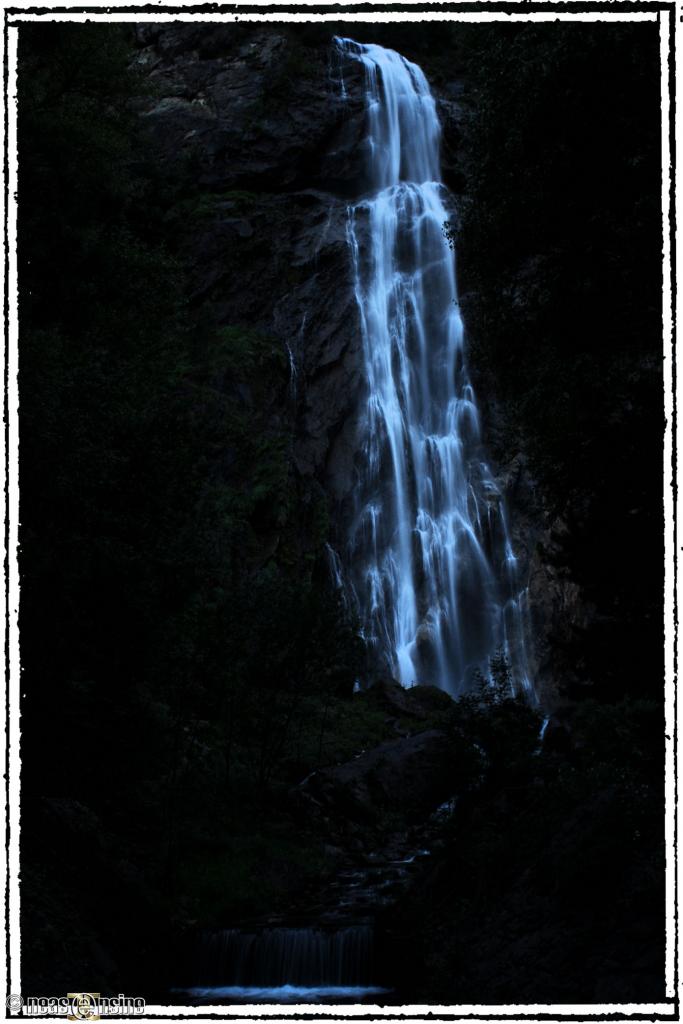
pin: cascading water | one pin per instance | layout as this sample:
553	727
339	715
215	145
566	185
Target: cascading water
285	964
429	562
281	956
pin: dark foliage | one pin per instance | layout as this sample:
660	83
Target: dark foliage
174	624
559	255
551	884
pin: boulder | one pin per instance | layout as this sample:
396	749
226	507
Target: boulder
409	776
417	702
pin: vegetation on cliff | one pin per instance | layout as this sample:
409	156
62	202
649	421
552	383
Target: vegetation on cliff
559	254
183	654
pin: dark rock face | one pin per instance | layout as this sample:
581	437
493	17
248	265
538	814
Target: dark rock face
249	129
558	610
246	108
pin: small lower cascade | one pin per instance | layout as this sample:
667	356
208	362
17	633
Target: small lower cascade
283	964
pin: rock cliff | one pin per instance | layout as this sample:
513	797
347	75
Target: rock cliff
250	134
250	131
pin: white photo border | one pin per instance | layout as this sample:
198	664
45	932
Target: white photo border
668	15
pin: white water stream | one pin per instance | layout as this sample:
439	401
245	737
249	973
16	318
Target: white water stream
429	562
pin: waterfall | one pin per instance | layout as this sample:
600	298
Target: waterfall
285	964
286	956
429	562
